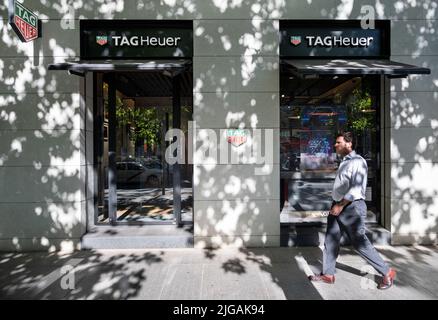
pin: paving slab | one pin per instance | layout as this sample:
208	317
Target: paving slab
234	279
287	281
182	282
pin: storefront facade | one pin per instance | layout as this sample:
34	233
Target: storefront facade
69	134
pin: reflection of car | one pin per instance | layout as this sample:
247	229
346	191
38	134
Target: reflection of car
131	172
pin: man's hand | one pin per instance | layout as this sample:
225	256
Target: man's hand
336	209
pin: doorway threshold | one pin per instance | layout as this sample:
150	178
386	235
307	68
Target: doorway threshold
138	237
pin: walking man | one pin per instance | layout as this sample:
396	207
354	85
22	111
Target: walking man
348	213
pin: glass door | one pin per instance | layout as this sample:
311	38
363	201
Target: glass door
136	184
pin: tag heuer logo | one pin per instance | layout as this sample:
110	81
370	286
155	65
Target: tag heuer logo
102	40
236	137
24	22
295	40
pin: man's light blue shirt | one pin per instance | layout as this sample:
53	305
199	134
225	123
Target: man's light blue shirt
351	178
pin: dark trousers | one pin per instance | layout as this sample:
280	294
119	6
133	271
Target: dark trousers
352	221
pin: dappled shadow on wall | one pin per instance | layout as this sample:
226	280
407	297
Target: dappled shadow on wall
413	167
41	146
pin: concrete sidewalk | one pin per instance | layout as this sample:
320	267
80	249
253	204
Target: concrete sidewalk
254	273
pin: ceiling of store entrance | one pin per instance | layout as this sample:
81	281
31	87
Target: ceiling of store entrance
308	91
151	84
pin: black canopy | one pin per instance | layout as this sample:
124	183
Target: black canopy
305	68
80	67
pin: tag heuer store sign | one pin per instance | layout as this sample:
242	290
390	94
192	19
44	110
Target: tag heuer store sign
136	39
24	22
306	39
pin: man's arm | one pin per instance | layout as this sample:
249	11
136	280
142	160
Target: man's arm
337	208
344	202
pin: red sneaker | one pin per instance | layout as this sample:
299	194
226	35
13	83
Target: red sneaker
326	278
388	280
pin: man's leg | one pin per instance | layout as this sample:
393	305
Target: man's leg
352	219
331	245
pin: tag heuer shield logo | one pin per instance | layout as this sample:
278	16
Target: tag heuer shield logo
236	137
24	22
295	40
101	40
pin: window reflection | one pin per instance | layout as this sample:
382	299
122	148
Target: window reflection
312	111
144	180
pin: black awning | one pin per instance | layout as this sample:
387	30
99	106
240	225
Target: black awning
354	67
80	67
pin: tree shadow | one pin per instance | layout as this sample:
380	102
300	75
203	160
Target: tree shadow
291	281
234	265
82	275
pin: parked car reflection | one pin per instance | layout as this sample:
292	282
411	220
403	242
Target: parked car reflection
137	174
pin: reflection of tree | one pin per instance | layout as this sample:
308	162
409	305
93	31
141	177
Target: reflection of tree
361	115
144	122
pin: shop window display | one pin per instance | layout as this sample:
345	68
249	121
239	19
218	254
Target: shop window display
312	112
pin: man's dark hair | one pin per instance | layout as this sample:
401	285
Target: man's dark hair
348	137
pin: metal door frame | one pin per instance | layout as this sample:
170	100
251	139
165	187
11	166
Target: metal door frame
112	137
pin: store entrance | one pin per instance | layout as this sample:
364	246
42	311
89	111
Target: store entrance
135	184
312	111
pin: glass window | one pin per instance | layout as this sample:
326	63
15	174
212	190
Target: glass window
312	112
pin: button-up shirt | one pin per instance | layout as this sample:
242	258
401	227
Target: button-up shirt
351	178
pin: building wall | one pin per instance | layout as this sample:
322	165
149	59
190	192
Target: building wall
413	128
42	202
236	83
